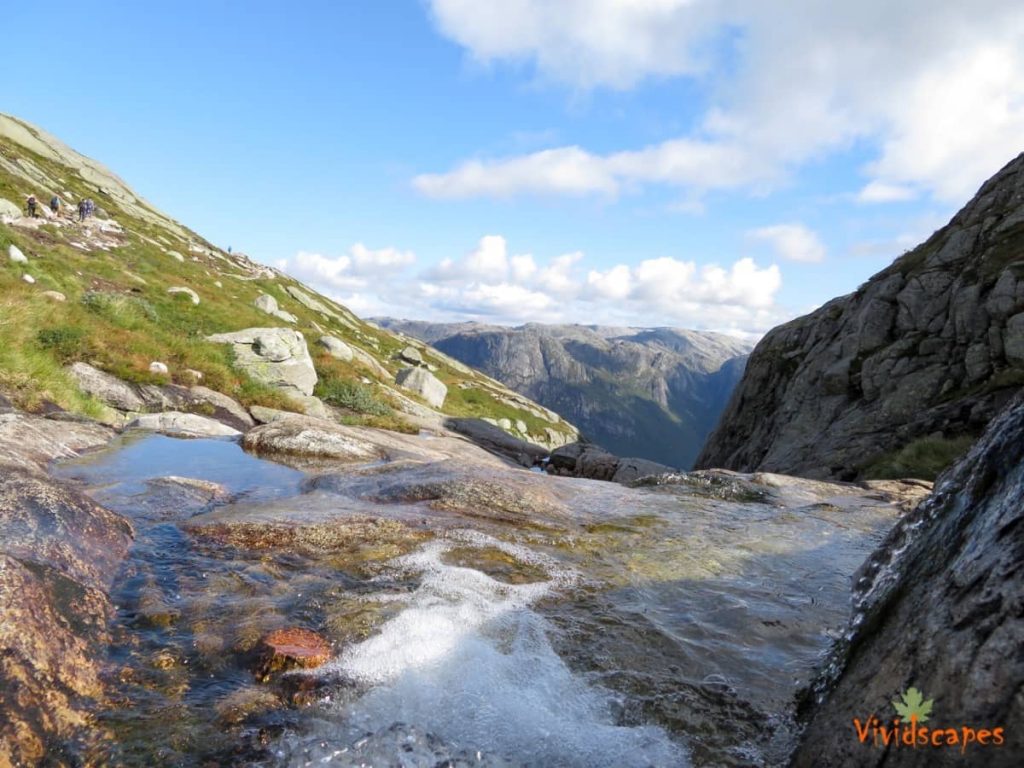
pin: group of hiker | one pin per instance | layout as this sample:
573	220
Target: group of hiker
86	207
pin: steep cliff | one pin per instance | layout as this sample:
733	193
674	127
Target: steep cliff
918	359
650	393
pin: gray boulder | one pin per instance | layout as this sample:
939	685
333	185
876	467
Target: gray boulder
239	417
276	356
423	383
336	348
315	438
106	388
182	425
267	303
15	254
411	355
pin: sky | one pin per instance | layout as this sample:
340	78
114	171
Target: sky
710	164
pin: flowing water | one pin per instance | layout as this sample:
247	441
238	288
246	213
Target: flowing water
491	617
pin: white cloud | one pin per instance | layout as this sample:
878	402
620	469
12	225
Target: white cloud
793	242
935	86
488	283
882	192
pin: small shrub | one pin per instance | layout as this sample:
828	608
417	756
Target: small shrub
352	395
252	392
66	341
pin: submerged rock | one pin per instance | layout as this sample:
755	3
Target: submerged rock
939	607
291	648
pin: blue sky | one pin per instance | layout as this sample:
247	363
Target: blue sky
657	162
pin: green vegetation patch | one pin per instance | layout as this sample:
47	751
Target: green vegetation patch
923	459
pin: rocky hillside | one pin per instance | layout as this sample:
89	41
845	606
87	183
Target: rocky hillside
897	378
129	312
652	393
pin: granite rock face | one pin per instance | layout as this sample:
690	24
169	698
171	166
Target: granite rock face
940	607
932	345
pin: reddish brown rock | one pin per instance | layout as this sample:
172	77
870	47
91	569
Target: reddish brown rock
291	648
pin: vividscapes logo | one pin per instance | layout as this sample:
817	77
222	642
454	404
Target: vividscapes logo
906	730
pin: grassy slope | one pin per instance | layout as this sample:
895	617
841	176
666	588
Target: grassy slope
119	316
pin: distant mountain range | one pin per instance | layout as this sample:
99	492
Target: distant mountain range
654	393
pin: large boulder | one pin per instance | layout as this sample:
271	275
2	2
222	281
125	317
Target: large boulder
106	388
182	425
276	356
315	438
9	211
267	303
336	348
423	383
496	440
938	607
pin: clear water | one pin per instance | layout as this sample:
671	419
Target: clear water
625	627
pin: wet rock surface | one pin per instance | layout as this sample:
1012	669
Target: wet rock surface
291	648
940	607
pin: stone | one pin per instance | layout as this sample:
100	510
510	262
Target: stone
9	211
15	254
158	368
177	256
106	388
495	440
291	648
28	278
336	348
193	374
267	303
305	436
938	607
180	424
192	295
520	426
411	355
222	404
275	356
632	469
370	362
263	415
505	424
423	383
55	296
1013	339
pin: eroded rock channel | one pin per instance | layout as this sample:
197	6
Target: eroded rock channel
416	597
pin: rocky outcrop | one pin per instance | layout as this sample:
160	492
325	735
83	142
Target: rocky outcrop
423	383
654	393
274	356
106	388
496	440
931	346
939	607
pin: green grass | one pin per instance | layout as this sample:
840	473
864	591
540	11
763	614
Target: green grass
923	459
353	395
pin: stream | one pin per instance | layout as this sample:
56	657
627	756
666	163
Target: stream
476	615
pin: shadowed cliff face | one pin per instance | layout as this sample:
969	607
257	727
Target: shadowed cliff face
651	393
928	349
939	607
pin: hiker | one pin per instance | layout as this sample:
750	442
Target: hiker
90	206
32	206
55	205
82	207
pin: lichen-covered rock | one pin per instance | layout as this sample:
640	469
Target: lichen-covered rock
934	344
276	356
938	607
267	303
305	436
423	383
